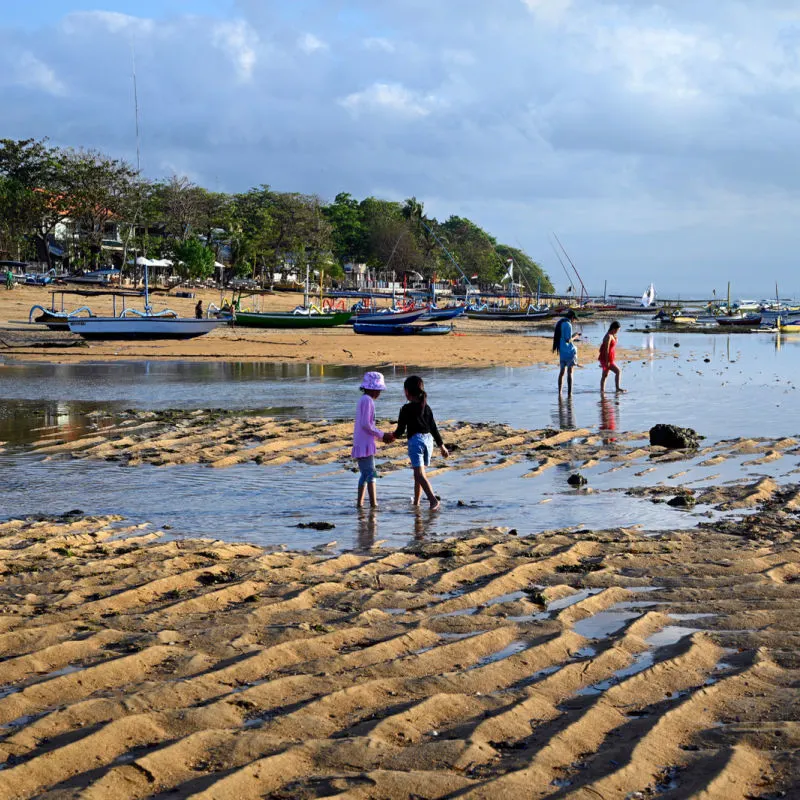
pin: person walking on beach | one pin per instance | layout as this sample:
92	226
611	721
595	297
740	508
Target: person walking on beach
417	421
563	343
9	279
608	357
364	435
198	310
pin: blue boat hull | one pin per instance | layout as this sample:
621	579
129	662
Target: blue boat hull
400	330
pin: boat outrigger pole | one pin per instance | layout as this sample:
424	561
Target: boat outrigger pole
447	253
583	287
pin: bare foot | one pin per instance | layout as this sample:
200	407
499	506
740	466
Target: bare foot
621	391
436	505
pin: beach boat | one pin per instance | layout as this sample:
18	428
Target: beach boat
431	329
442	314
289	319
791	327
133	324
387	317
507	315
746	320
145	326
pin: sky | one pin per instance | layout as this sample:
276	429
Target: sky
657	140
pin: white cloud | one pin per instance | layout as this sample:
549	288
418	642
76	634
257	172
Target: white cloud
379	43
239	42
549	10
30	71
392	97
112	21
309	43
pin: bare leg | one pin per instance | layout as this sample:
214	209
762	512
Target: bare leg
360	499
603	380
569	381
561	379
421	480
417	488
617	376
372	489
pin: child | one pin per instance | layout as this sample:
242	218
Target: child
564	344
416	418
364	435
608	356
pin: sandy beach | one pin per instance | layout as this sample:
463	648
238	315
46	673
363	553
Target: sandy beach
580	662
474	344
614	663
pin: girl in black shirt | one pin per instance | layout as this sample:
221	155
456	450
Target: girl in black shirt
416	420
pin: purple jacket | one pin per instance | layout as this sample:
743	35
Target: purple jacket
364	431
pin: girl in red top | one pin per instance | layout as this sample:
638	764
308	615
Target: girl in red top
608	356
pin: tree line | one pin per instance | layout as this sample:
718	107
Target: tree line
256	233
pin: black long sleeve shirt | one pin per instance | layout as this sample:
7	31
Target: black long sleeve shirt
416	418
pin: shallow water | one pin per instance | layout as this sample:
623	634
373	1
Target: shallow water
746	389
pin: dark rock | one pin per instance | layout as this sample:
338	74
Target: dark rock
707	360
677	344
673	437
317	526
682	501
577	480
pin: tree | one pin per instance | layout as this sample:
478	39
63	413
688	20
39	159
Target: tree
195	260
33	198
99	191
349	234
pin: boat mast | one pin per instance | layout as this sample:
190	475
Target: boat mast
583	288
447	253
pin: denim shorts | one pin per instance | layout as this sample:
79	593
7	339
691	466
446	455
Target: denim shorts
366	466
420	447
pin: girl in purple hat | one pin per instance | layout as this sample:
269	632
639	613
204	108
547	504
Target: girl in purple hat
364	435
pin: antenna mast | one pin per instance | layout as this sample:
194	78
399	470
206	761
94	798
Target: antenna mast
136	108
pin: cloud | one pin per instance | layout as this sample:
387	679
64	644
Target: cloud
239	42
615	123
390	97
309	43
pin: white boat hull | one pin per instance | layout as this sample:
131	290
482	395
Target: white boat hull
143	327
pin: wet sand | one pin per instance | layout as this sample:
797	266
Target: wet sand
571	664
474	343
603	663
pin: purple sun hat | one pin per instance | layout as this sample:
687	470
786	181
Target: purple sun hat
374	381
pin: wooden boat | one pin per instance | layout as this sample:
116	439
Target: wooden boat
442	314
791	327
133	324
144	326
509	316
431	329
289	319
748	320
390	317
57	320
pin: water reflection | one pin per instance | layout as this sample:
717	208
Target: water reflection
566	414
367	529
609	408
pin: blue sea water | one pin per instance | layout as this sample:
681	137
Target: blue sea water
723	385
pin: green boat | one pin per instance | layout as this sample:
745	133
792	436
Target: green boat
290	319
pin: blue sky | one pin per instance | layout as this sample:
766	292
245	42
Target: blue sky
657	139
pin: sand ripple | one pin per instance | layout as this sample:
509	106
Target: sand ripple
484	666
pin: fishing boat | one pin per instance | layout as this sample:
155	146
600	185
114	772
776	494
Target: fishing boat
739	320
147	324
648	301
442	314
790	327
388	317
507	315
290	319
431	329
58	319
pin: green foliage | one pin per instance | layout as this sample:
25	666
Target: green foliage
196	261
264	231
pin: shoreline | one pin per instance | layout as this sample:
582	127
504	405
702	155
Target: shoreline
474	344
